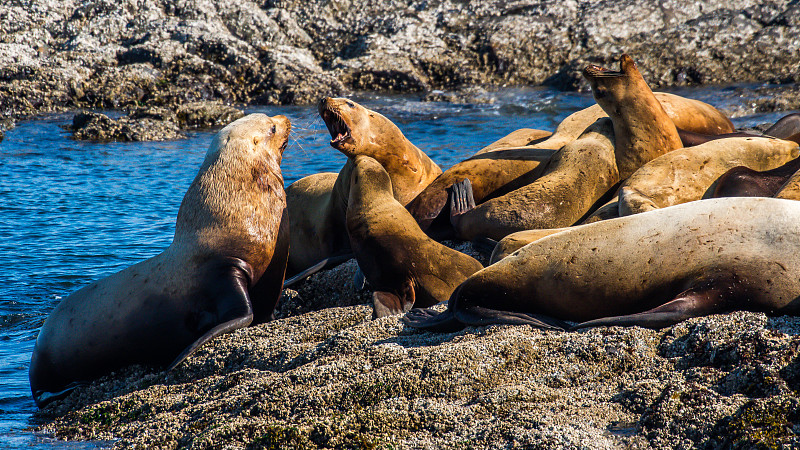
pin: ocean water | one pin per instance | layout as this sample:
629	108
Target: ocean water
72	212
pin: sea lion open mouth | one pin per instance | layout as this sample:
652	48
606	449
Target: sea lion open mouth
340	132
601	72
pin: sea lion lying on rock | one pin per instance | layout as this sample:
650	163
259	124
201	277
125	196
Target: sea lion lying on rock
318	203
402	264
224	270
652	269
573	179
687	174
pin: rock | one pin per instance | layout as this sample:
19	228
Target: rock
336	378
91	126
206	115
103	54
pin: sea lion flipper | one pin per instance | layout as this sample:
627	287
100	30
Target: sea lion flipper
461	198
389	303
229	283
265	294
359	280
708	295
431	320
479	316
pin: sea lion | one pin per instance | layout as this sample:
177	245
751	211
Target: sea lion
687	174
402	264
652	269
516	241
690	139
224	270
691	116
745	182
489	172
785	127
642	128
573	179
318	204
791	189
517	138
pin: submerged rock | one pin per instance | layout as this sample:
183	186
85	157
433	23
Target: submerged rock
152	123
92	126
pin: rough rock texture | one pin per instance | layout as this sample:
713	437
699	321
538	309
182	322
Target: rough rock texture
113	54
334	378
152	123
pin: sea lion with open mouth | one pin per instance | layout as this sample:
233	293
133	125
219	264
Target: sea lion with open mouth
317	204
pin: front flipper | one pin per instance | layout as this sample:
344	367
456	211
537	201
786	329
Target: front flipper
389	304
229	306
710	296
431	320
480	316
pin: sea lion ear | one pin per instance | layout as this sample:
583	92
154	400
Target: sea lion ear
626	64
257	139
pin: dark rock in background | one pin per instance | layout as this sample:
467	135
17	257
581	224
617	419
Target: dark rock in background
62	54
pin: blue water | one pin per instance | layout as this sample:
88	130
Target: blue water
72	212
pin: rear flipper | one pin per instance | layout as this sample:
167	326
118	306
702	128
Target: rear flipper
710	296
461	200
389	303
431	320
326	263
479	315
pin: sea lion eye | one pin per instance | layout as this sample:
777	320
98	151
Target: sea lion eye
272	130
350	104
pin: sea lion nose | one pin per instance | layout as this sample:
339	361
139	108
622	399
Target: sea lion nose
323	102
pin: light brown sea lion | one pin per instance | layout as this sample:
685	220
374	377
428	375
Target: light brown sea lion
572	181
516	241
791	189
517	138
223	271
687	174
691	116
642	128
652	269
402	264
318	203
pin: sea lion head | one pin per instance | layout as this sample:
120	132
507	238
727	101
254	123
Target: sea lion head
369	180
610	85
252	138
238	193
356	130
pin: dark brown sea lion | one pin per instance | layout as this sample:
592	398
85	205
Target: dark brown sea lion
573	179
642	128
785	127
652	269
317	204
224	270
745	182
402	264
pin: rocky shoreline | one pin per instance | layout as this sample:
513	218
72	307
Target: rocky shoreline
58	55
334	378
